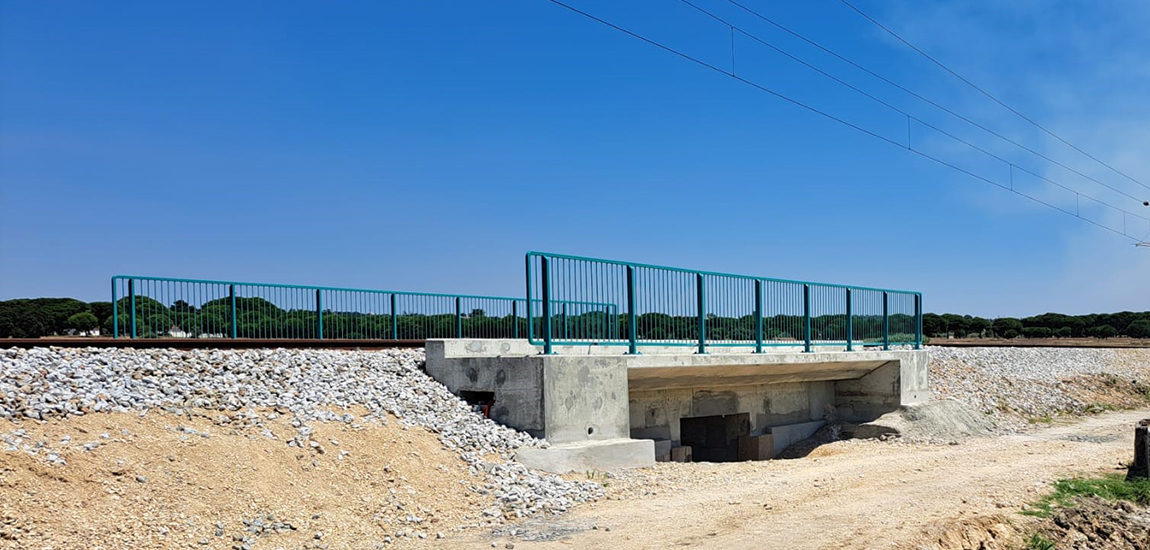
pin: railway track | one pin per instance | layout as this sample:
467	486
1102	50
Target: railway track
252	343
206	343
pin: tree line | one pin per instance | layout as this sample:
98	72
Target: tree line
1047	325
260	318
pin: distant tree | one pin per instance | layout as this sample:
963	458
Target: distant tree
979	326
956	324
83	322
933	325
1104	331
1009	334
1036	332
1139	329
477	313
1063	332
1004	325
33	318
102	310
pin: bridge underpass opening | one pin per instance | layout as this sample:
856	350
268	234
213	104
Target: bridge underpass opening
715	438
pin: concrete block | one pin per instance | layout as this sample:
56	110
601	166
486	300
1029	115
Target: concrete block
682	453
785	436
756	447
662	450
585	456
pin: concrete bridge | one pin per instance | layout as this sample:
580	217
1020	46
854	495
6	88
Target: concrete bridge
601	408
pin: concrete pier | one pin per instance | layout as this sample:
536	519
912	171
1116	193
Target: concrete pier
601	408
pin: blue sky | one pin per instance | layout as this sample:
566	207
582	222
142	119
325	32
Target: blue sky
426	145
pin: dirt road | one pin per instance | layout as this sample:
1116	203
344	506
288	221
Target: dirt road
849	494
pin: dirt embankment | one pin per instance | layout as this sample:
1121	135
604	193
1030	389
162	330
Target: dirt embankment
121	480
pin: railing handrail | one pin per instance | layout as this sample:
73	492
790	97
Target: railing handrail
537	254
312	287
341	289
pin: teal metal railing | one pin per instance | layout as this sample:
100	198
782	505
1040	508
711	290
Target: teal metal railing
159	307
669	306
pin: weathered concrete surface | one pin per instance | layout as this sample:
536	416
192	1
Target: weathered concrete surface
789	434
598	393
655	414
587	456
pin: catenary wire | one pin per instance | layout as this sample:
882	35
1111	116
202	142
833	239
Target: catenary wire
989	95
927	100
844	122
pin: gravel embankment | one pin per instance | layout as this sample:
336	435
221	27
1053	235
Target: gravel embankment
308	385
1029	383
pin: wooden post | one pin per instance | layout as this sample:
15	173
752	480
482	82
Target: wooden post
1142	448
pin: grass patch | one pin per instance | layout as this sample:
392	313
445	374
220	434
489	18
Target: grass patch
1108	487
1039	542
1044	419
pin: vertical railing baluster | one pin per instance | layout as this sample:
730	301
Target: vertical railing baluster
702	311
758	316
527	304
545	280
807	318
232	299
850	322
115	311
394	319
319	313
515	319
563	316
918	321
132	301
632	323
458	317
885	322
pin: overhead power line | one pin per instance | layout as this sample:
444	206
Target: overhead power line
908	146
888	105
926	100
990	95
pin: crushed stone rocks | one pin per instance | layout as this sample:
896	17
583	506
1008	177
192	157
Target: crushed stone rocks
1017	385
306	385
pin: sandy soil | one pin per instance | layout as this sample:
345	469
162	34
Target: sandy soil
150	485
848	494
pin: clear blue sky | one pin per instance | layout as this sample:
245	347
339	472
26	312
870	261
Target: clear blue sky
426	145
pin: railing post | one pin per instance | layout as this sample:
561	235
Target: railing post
545	280
527	304
132	300
115	311
850	323
632	323
319	313
458	317
700	289
758	316
563	315
918	321
394	319
232	299
885	322
515	318
807	318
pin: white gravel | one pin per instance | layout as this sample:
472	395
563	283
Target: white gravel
1031	382
310	385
